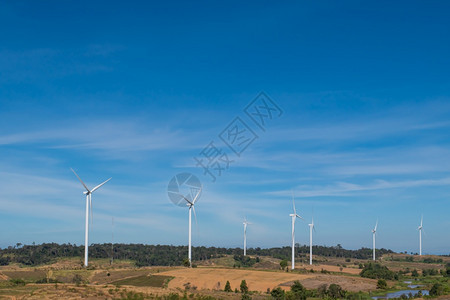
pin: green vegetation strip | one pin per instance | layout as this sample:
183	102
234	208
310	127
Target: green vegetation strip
144	280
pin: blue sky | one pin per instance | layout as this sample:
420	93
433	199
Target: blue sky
136	91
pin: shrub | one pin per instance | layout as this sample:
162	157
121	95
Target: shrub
377	271
381	284
278	293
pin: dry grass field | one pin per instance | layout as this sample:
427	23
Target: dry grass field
259	280
103	281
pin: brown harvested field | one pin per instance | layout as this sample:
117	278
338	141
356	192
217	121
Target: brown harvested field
215	278
330	268
208	278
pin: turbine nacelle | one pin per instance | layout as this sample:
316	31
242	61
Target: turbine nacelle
375	229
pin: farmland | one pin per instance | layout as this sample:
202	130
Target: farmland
65	278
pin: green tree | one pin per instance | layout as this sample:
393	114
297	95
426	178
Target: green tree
335	291
278	293
283	264
244	287
298	290
437	289
228	287
381	284
414	273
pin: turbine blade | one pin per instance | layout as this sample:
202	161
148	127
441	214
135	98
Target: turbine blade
421	220
98	186
186	200
90	208
195	216
376	225
299	216
198	194
293	202
80	180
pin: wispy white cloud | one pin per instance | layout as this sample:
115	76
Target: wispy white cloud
111	137
349	189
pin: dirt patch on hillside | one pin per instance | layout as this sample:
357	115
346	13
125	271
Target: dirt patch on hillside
329	268
349	283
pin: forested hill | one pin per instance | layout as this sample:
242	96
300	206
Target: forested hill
161	255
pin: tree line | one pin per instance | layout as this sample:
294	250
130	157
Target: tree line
163	255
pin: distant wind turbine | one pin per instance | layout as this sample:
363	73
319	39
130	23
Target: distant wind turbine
112	240
245	234
191	204
374	231
88	194
420	235
293	216
311	227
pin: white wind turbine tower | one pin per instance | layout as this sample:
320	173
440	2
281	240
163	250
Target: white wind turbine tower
293	216
88	194
245	234
420	235
374	231
191	204
311	227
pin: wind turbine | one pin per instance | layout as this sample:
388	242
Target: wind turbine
420	235
374	231
191	204
293	216
245	234
88	194
311	227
